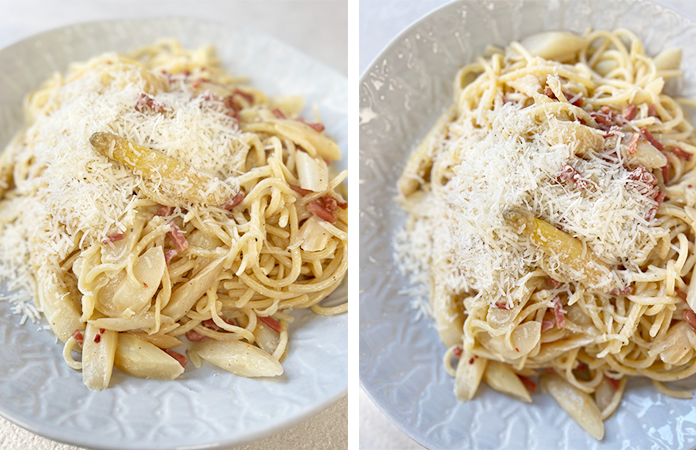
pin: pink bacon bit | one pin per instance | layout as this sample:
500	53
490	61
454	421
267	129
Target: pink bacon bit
234	201
625	291
665	173
633	144
690	318
195	336
505	306
569	173
178	237
329	202
79	338
606	118
546	325
652	111
113	238
529	384
642	175
679	153
554	283
650	138
169	255
279	114
630	112
573	99
681	294
457	352
320	211
232	107
653	209
614	383
299	190
271	323
559	314
165	210
181	359
318	127
246	96
147	101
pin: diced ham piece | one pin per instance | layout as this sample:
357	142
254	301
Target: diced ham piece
329	202
195	336
113	238
681	294
569	173
650	138
278	113
652	111
244	95
690	318
558	314
320	211
546	325
644	177
630	112
181	359
554	283
679	153
234	201
606	118
653	210
299	190
624	291
633	144
165	210
178	237
318	127
79	338
270	322
147	101
665	173
529	384
168	255
210	323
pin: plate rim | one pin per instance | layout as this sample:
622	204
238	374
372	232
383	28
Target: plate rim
286	423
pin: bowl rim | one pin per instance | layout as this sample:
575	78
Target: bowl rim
366	387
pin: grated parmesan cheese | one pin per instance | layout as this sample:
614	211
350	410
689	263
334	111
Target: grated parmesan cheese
462	234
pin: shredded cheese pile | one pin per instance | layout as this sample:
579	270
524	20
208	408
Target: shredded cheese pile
83	191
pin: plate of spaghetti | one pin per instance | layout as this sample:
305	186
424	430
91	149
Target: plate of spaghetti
542	223
174	235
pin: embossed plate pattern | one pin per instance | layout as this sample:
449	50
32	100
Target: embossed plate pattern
401	95
204	408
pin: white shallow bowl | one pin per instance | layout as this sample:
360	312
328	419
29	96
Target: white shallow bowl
401	95
207	407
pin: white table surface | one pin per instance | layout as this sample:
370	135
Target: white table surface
381	21
317	27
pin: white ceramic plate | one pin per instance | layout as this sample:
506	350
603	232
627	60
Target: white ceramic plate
204	408
401	95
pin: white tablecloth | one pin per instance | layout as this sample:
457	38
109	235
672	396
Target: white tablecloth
318	28
380	22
